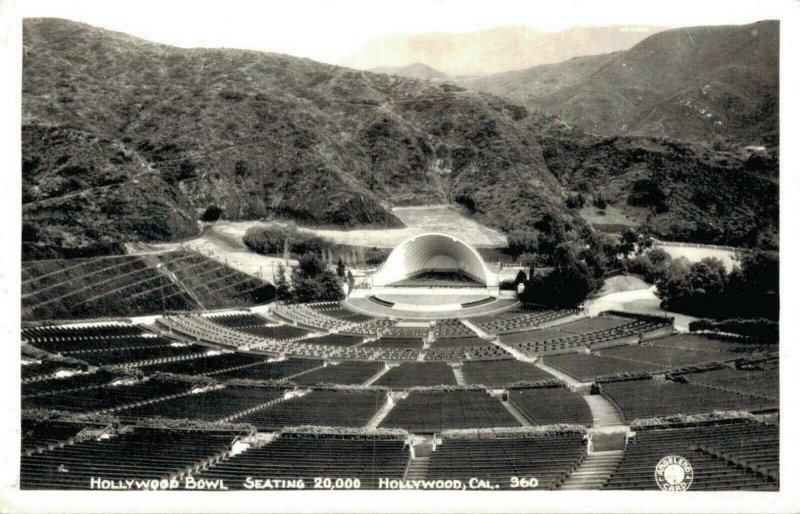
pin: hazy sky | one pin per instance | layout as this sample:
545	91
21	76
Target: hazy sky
329	30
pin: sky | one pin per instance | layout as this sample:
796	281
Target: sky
330	30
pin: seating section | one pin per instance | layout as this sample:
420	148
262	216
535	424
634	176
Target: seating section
335	310
66	338
408	332
308	456
550	458
140	356
276	370
206	364
344	373
708	343
336	340
587	367
451	328
71	383
650	398
734	456
343	408
117	343
138	454
411	374
196	327
594	324
304	315
752	382
108	397
502	372
47	368
434	411
520	319
560	340
135	285
372	327
551	405
276	332
41	435
238	320
665	357
395	342
211	405
484	351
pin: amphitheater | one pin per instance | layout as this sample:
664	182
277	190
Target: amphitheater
428	377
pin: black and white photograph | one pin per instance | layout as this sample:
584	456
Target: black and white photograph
434	256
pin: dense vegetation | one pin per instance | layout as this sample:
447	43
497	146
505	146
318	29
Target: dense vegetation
312	281
287	241
139	141
706	289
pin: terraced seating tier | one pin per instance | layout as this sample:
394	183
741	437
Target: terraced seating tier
502	372
206	364
71	383
733	456
434	411
587	367
211	405
276	370
650	398
277	332
755	382
335	310
320	407
395	342
345	373
451	328
666	357
550	458
520	319
306	457
107	397
551	405
46	434
410	374
76	347
142	453
238	320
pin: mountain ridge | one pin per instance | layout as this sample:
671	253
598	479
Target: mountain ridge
134	141
694	83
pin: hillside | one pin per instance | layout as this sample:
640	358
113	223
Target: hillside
133	141
494	50
412	71
698	83
261	135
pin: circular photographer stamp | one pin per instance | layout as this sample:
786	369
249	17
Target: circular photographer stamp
674	473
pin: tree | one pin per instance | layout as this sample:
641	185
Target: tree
521	278
628	243
351	281
567	285
282	289
340	269
313	282
521	242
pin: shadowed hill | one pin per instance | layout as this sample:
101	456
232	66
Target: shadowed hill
698	83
